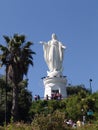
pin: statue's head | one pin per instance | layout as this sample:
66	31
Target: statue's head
54	36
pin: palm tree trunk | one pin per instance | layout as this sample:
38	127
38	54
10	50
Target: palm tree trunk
15	104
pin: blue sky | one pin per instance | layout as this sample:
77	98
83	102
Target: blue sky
75	23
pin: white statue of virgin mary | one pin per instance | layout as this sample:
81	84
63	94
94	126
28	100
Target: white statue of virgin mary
53	55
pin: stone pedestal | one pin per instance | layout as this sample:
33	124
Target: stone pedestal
55	85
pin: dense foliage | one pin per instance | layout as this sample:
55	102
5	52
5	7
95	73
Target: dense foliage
24	101
73	107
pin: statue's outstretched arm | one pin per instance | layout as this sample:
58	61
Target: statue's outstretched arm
42	42
64	47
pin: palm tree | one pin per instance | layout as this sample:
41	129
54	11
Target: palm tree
16	56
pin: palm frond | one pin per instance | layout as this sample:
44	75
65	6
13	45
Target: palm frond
3	48
19	38
7	39
28	44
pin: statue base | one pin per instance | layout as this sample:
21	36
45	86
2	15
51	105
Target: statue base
55	85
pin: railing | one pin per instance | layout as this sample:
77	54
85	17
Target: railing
36	98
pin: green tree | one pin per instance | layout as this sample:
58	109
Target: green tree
2	99
24	101
71	90
16	56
